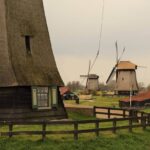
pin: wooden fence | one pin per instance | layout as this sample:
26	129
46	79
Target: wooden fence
76	131
111	112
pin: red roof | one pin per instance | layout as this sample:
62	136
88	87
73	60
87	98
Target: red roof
64	90
140	97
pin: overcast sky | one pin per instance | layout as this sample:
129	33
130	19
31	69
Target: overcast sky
74	31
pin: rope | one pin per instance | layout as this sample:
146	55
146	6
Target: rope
100	36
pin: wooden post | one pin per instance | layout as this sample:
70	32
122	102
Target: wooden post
142	114
148	120
143	122
130	125
43	131
77	101
108	113
76	130
131	113
114	125
94	111
97	128
10	130
124	113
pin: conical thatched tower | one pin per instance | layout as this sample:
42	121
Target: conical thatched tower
29	78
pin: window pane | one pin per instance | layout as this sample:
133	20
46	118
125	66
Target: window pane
54	96
42	97
34	98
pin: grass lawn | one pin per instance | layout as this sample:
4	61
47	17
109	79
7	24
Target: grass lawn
147	110
123	140
99	101
138	140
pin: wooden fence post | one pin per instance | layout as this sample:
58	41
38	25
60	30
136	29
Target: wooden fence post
130	124
124	113
148	121
94	111
108	113
143	121
97	128
76	130
142	114
10	130
114	125
77	101
43	131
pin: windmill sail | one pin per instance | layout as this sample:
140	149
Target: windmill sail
88	73
116	44
112	74
118	59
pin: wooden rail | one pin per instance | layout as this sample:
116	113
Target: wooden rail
108	112
118	112
76	131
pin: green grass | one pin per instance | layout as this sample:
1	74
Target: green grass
99	101
123	140
147	110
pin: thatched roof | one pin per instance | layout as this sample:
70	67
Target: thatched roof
126	65
20	18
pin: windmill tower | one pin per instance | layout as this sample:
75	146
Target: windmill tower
125	71
126	80
92	82
29	78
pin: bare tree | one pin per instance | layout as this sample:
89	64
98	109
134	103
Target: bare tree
75	86
148	87
141	86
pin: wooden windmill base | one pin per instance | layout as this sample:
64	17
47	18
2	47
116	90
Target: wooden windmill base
16	105
125	93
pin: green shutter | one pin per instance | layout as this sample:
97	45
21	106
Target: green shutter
50	97
54	96
34	98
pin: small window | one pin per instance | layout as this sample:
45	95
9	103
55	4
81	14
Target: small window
44	97
28	44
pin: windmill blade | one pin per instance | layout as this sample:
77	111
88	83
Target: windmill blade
116	44
83	76
111	74
142	67
112	77
88	73
121	55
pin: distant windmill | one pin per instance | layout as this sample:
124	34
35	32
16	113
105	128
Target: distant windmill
125	72
92	80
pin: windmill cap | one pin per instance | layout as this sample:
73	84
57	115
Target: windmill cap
125	65
93	76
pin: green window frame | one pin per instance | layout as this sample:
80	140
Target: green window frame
51	95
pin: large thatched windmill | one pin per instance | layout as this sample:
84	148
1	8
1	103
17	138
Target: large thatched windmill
29	78
125	71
